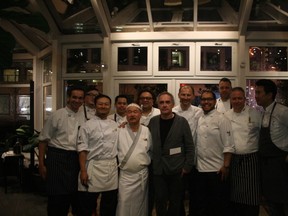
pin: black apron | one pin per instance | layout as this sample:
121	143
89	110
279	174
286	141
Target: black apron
274	171
62	171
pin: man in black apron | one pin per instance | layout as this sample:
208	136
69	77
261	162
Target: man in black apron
273	148
58	158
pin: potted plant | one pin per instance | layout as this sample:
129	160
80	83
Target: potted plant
28	139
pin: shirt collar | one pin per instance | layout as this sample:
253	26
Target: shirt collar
270	107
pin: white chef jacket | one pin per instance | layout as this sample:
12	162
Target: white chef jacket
245	129
222	106
89	111
61	129
99	138
146	119
119	119
140	157
279	125
192	115
213	139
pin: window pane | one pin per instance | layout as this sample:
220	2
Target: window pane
47	69
216	58
47	105
132	58
84	60
268	58
173	59
281	97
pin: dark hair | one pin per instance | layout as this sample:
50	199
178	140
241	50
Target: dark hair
121	96
166	93
91	88
208	91
238	89
269	87
101	96
224	79
73	88
145	90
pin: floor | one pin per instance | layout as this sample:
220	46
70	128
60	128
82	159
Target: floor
28	202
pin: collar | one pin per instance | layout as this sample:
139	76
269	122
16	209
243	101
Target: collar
211	112
270	107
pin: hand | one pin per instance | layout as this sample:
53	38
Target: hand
84	178
122	125
224	171
42	171
184	172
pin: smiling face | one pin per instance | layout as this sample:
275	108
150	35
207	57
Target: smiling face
237	100
121	105
207	102
103	106
225	90
146	100
186	96
75	100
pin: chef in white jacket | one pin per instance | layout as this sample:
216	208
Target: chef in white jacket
134	144
97	147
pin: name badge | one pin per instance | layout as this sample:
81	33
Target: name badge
175	151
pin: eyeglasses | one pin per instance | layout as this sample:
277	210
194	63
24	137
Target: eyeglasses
145	98
207	99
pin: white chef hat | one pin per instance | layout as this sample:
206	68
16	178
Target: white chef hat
134	105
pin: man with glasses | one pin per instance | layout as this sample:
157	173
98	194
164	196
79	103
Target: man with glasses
146	100
88	107
214	147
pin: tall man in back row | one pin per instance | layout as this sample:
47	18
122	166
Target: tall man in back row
223	103
192	114
273	148
173	156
